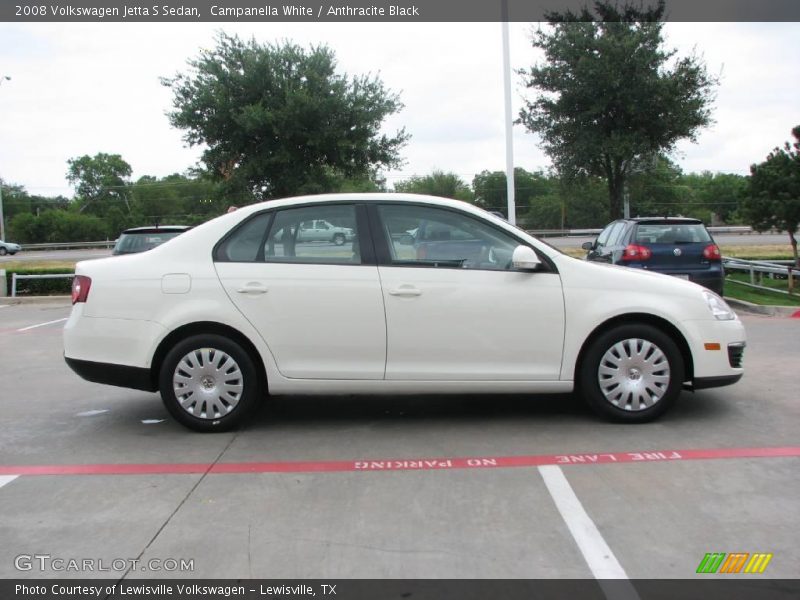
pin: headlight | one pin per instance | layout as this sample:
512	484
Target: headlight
718	307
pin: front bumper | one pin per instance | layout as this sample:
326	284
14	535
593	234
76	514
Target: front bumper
716	348
704	383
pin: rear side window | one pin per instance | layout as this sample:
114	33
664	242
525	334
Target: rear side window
130	243
246	243
675	233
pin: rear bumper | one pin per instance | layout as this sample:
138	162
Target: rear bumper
711	279
119	375
101	340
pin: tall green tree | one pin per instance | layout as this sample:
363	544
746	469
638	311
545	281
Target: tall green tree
775	192
438	183
279	120
718	193
491	191
608	93
101	182
655	188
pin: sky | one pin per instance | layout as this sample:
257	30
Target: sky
85	88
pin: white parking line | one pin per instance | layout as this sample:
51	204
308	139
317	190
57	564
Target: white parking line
601	560
4	479
43	324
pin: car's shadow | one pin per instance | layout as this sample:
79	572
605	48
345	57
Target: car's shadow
463	408
467	411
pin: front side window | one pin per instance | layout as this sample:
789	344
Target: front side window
613	235
434	237
602	239
323	233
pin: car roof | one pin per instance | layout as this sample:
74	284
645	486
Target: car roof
664	220
159	229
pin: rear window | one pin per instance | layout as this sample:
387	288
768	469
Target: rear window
129	243
672	233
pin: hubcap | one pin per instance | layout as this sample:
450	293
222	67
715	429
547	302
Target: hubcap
208	383
633	374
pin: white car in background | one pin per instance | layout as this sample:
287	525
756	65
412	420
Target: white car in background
242	307
9	248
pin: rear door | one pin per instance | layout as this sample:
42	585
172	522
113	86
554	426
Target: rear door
318	306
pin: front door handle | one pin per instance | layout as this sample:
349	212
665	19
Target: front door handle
405	290
252	288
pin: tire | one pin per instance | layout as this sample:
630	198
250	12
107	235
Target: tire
194	391
338	239
3	251
631	373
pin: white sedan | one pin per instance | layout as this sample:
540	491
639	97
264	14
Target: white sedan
9	248
241	307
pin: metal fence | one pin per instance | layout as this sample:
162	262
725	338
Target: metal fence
758	268
70	245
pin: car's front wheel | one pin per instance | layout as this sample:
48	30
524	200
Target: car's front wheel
209	383
338	239
3	251
632	373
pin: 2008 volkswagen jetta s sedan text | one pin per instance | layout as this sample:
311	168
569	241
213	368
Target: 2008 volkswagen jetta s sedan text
243	306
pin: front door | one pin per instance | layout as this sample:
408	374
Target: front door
455	310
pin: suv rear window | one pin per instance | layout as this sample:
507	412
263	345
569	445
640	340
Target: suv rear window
672	233
130	243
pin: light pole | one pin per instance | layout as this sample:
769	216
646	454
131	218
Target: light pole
2	220
512	208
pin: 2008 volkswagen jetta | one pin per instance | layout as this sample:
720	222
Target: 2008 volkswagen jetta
244	306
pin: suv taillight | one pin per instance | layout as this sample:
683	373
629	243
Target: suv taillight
634	252
711	252
80	288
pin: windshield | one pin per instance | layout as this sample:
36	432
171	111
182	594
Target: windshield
130	243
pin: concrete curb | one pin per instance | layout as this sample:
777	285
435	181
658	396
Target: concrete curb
36	300
769	310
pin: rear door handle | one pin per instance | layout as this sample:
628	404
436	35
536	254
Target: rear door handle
252	288
405	290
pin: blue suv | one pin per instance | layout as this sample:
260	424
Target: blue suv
672	245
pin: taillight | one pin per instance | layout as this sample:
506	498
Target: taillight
80	288
635	252
711	252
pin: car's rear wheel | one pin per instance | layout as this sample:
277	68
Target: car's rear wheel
209	383
632	373
3	251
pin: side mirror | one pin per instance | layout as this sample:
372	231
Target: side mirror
525	259
587	245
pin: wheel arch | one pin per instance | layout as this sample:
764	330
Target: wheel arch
200	328
644	318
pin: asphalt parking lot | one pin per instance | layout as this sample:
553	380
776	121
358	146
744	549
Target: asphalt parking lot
400	487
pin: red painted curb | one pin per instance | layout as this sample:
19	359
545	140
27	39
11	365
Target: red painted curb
795	315
420	464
